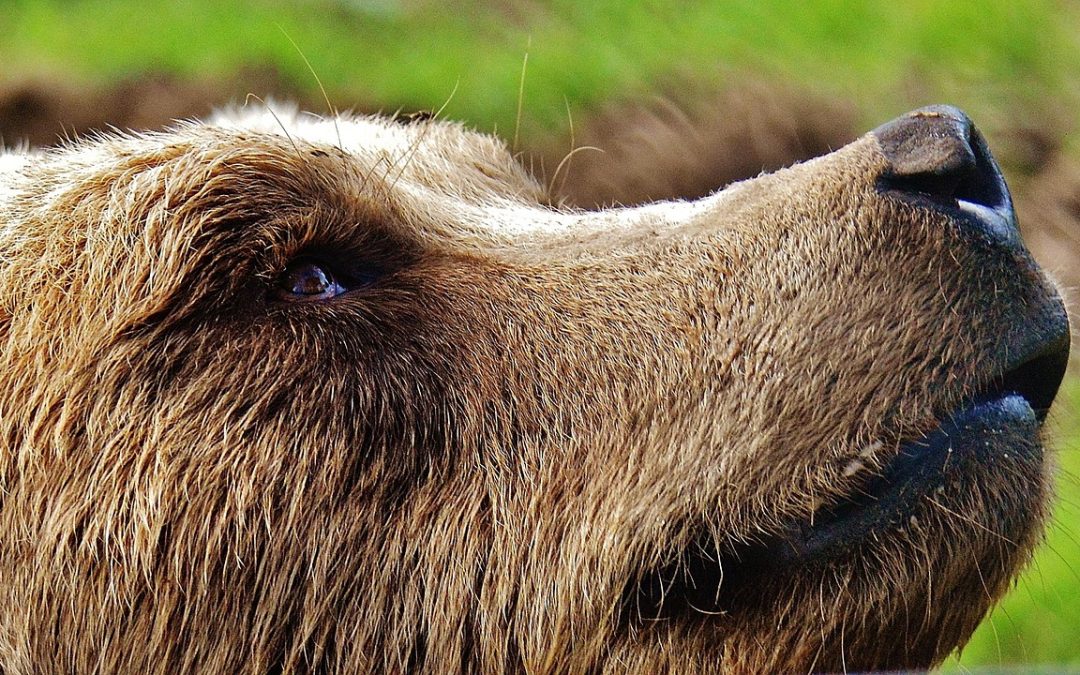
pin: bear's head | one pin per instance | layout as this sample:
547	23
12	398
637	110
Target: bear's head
283	394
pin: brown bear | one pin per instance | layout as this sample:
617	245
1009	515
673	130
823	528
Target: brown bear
289	394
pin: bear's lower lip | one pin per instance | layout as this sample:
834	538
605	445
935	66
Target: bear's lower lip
968	442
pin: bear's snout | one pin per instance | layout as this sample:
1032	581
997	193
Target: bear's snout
938	160
937	157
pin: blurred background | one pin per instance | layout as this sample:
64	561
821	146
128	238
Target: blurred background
621	101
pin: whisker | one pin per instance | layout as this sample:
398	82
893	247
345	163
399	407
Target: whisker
521	94
318	81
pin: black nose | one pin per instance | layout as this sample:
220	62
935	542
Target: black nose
937	157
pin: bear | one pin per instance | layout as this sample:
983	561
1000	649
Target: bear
285	393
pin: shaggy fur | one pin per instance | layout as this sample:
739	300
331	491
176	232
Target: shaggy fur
478	461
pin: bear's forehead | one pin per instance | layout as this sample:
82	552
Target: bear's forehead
432	153
436	156
358	135
461	185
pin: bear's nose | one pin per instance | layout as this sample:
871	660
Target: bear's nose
936	157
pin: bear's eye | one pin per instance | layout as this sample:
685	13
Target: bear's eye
308	280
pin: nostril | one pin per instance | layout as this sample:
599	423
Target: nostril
982	183
937	155
937	186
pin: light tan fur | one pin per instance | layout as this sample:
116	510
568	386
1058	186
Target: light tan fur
469	465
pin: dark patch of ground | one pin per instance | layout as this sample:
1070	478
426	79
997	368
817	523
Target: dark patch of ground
43	113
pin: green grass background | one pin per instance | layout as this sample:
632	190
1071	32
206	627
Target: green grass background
1002	60
991	57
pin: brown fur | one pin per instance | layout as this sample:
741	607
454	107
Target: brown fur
466	466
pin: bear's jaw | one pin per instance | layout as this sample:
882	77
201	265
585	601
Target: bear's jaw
992	437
